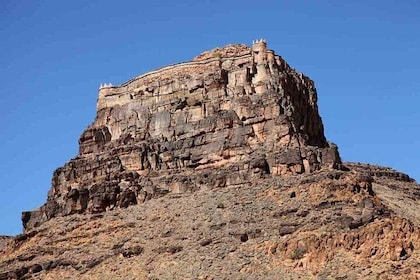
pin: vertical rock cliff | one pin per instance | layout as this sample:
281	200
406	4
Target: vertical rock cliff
228	117
232	147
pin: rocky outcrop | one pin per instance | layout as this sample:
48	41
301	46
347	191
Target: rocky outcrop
3	241
229	117
233	147
329	224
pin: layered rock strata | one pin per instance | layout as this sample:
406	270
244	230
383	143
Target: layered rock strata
227	118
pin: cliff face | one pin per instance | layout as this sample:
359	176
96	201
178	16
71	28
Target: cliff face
231	146
228	117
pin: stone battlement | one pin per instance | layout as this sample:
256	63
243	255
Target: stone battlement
218	54
260	41
214	61
105	85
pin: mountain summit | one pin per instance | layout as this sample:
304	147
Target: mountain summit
217	168
229	117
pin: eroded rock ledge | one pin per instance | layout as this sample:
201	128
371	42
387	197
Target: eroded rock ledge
228	117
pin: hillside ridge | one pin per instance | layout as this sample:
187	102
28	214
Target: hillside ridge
217	168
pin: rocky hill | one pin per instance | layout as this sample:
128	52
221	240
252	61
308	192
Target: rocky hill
217	168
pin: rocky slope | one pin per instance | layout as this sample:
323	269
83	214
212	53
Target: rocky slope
217	168
330	224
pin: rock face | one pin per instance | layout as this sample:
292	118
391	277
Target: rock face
226	159
357	223
229	117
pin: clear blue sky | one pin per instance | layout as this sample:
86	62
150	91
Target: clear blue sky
363	55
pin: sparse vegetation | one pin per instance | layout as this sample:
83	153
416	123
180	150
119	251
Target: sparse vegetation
298	253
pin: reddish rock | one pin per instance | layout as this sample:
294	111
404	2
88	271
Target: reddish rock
232	145
230	116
